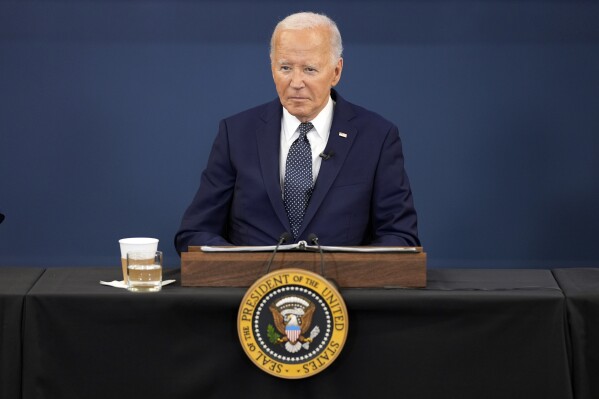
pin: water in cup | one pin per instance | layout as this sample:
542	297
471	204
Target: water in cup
144	271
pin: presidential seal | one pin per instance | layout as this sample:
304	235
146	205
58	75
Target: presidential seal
292	323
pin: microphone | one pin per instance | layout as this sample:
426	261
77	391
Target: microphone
283	238
314	239
326	157
1	217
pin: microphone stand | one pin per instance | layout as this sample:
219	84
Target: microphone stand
312	237
283	238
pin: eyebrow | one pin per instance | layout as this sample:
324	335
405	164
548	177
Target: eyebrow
287	62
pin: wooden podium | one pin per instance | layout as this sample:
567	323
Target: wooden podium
347	269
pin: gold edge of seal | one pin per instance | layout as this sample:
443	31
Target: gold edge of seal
244	343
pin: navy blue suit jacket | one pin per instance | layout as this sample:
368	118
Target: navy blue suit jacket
362	195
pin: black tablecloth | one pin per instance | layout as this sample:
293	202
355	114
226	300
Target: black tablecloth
581	288
470	334
14	284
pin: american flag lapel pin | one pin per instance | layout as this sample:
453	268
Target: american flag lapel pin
344	135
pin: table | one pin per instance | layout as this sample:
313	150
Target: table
470	334
14	284
581	288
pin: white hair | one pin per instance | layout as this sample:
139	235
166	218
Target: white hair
310	20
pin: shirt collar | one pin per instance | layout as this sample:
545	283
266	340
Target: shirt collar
322	122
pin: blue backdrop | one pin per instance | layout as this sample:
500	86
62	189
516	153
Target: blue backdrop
108	110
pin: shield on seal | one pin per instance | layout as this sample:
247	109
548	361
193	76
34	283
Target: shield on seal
293	333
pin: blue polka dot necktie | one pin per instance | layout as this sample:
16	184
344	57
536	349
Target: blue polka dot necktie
297	187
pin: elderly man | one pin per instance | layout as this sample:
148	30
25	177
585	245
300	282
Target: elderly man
307	162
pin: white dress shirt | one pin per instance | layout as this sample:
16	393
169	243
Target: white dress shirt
317	137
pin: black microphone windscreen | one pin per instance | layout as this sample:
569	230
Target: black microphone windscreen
326	156
286	236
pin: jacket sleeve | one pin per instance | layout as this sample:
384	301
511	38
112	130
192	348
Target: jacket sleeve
205	220
393	216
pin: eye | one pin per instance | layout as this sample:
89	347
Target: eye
285	68
310	70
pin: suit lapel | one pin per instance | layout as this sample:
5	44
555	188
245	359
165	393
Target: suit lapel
268	138
341	138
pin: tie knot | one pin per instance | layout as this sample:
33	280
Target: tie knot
305	127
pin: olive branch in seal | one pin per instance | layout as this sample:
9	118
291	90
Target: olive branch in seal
273	335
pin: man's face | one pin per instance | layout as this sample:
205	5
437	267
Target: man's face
303	72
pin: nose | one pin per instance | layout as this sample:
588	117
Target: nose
297	80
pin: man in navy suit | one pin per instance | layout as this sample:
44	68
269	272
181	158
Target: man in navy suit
358	191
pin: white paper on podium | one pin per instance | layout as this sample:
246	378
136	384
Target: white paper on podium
302	246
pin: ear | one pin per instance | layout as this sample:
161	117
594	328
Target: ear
337	72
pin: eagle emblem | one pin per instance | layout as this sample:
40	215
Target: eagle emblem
292	317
